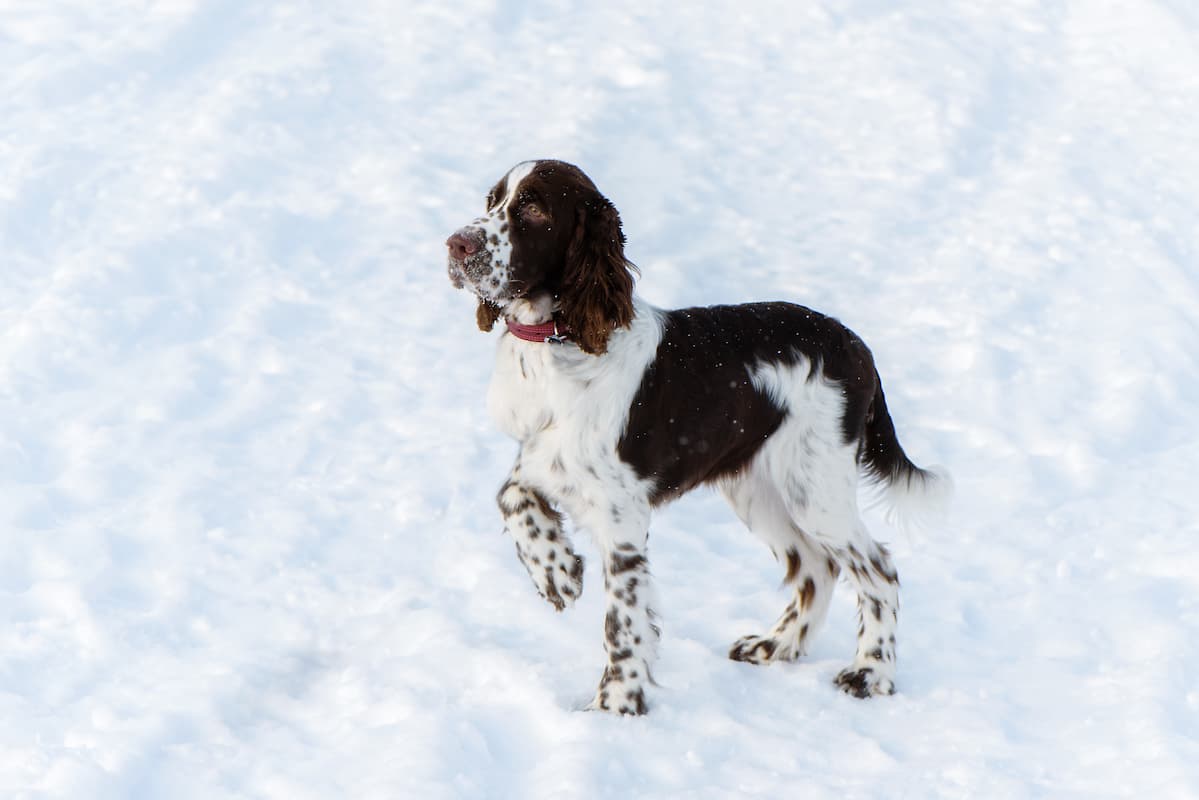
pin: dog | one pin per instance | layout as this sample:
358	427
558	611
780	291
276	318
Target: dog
619	407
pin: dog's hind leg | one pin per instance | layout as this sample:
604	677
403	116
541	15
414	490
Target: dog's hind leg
808	568
821	498
869	568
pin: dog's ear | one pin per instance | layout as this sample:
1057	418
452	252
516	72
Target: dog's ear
596	295
486	315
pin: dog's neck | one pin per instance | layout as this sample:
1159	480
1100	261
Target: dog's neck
536	310
532	319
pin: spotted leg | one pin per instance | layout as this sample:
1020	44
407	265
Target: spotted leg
536	528
630	635
826	510
869	567
815	576
809	569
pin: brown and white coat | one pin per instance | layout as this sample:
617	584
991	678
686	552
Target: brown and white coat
777	405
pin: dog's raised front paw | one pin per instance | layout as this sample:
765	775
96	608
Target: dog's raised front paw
556	571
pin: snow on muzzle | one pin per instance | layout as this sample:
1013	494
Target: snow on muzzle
471	261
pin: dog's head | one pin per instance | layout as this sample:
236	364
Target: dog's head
548	232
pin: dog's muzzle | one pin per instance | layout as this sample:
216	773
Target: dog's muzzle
469	261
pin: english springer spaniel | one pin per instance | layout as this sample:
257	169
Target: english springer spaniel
619	407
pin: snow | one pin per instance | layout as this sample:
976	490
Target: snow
250	546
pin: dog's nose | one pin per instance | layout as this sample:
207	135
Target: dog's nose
461	245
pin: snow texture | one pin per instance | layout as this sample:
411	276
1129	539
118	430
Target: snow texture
247	477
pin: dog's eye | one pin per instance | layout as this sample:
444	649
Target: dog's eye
532	212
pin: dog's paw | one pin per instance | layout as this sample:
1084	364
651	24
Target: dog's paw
864	681
621	691
556	572
762	650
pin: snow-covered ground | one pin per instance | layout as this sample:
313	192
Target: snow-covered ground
248	546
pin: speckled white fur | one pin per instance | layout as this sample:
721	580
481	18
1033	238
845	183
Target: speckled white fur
496	254
568	411
800	493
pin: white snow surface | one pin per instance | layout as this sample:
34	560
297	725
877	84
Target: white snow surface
247	477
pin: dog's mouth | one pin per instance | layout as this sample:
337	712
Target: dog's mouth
477	274
473	272
488	289
457	273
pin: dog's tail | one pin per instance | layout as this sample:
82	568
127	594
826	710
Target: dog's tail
912	493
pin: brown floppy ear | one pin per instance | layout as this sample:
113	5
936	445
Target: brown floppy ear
486	315
596	295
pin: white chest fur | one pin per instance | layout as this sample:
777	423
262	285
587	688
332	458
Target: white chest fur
537	385
519	395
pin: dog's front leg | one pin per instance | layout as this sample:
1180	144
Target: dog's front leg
630	635
541	543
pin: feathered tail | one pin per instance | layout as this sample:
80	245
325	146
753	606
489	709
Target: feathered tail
912	493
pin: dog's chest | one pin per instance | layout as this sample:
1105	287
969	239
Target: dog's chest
525	388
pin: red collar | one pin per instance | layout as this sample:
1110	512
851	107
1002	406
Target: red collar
545	332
